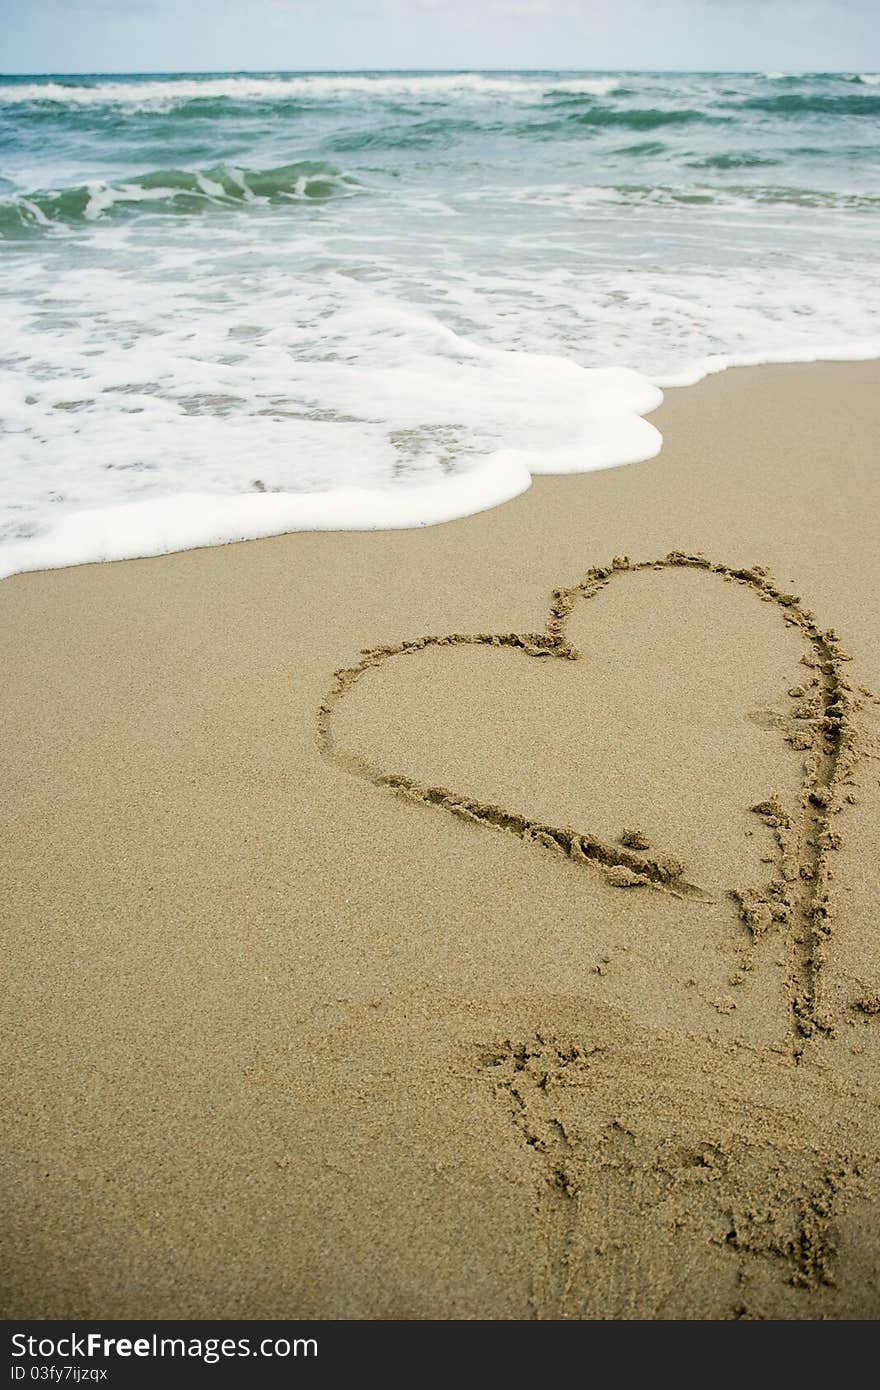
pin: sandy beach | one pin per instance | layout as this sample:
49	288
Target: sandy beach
531	970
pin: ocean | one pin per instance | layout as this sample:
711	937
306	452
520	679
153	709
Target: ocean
241	304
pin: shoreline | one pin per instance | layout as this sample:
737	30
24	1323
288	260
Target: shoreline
289	1040
506	474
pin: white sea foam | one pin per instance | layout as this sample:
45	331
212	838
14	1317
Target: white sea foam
377	415
167	93
171	398
187	520
586	86
865	350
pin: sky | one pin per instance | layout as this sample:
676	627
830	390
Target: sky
231	35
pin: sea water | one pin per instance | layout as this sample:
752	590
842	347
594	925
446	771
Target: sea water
234	305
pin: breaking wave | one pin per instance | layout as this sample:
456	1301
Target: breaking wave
173	191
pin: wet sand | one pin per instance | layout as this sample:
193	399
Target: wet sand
526	965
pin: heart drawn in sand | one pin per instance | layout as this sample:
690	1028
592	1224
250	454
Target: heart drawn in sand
821	727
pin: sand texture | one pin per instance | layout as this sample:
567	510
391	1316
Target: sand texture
472	922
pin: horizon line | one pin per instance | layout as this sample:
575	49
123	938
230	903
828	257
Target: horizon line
325	72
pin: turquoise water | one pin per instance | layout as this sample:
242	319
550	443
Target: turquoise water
243	303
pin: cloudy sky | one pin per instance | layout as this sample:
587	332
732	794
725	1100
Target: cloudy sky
228	35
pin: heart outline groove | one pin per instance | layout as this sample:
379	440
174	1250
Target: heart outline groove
797	899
